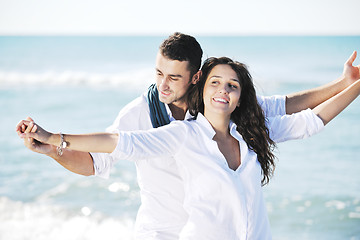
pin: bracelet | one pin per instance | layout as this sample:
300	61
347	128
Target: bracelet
63	145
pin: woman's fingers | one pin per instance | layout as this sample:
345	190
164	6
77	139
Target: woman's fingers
29	127
26	126
34	128
21	126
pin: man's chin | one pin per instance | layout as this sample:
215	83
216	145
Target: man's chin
165	100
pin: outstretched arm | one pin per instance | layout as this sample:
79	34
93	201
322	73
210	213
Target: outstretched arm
164	141
333	106
74	161
296	102
95	142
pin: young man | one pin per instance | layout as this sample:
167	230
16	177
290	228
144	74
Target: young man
161	215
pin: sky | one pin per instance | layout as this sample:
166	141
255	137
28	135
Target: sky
162	17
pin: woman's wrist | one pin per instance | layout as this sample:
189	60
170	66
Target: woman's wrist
54	139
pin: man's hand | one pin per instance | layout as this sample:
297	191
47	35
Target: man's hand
351	73
28	126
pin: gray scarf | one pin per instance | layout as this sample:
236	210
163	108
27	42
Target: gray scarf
158	114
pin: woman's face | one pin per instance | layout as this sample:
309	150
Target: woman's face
222	91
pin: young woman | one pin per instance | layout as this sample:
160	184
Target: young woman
223	155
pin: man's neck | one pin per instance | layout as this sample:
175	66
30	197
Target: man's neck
178	110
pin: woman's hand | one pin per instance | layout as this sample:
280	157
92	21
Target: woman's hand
28	129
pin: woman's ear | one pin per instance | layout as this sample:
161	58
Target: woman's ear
238	104
195	79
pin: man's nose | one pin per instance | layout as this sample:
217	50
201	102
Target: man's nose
163	83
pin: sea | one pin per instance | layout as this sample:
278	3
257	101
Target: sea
78	84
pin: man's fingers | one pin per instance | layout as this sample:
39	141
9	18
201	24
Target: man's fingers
27	135
351	58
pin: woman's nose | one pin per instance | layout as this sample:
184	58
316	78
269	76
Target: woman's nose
223	89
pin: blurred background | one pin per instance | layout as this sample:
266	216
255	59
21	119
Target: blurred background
72	66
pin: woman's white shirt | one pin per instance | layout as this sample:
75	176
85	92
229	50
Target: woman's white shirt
221	203
161	215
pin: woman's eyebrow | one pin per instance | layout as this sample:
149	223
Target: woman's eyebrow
232	79
236	80
215	76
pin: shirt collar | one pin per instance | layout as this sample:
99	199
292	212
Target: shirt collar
169	112
234	132
233	129
205	124
209	130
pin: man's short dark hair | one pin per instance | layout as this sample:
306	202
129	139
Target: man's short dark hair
182	47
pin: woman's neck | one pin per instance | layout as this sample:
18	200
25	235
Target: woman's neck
220	124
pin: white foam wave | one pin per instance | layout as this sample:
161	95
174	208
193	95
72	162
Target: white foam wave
130	79
20	220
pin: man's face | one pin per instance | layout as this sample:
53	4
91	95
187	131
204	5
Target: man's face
172	80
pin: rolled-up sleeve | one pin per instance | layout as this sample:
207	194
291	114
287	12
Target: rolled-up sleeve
272	105
103	163
295	126
164	141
